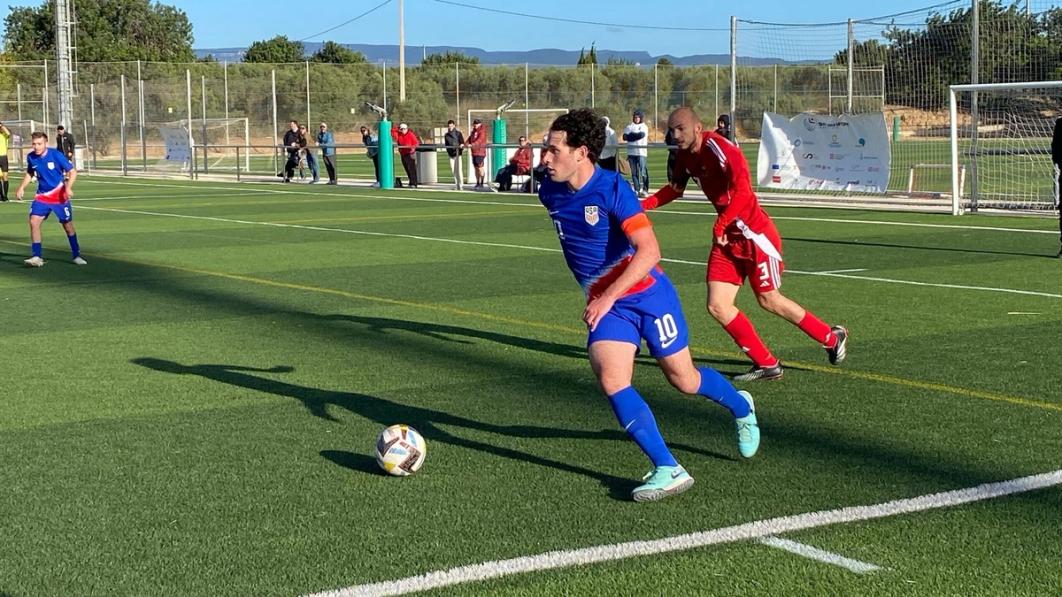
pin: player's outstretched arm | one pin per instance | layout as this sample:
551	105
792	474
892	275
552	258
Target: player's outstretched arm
672	191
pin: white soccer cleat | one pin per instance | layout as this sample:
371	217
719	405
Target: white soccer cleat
79	261
34	262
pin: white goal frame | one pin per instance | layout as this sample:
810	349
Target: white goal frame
953	109
198	125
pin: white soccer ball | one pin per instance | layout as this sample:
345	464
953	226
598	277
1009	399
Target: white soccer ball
400	450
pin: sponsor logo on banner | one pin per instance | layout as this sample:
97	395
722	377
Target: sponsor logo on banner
809	156
590	215
776	179
837	156
834	142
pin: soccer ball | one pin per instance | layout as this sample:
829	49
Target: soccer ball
400	450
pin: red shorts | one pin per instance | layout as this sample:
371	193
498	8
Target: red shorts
742	258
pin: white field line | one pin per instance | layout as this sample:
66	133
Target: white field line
549	250
742	532
535	204
821	555
843	271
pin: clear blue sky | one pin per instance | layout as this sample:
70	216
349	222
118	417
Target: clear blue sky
230	23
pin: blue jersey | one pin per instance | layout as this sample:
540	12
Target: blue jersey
49	169
590	225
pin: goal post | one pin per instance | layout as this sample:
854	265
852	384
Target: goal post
219	141
1001	136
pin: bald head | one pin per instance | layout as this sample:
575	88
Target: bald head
685	128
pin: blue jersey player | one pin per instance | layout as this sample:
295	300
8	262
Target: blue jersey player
611	249
55	184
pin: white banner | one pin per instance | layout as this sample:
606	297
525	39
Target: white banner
176	140
830	153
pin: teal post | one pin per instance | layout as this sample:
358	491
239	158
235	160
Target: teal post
895	129
386	156
497	156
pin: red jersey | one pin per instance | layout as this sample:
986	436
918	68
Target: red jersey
723	173
477	140
407	142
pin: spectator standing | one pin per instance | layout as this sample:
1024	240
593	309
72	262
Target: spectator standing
454	141
372	149
672	153
607	160
637	137
5	145
407	143
311	159
477	140
291	145
519	164
64	142
723	127
327	142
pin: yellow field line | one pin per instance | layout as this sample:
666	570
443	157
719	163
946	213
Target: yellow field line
699	350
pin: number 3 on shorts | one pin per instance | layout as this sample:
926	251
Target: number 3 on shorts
765	273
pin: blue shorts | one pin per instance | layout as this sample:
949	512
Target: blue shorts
654	315
63	211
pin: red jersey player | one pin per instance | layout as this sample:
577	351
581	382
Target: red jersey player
745	244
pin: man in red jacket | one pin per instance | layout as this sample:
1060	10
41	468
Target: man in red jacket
477	140
518	165
745	244
407	143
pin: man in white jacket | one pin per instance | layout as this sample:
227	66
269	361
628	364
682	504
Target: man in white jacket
637	137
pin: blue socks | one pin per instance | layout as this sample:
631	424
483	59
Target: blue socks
36	249
636	418
716	387
75	250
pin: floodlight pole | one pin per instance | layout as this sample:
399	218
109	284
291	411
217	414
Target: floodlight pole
63	56
401	52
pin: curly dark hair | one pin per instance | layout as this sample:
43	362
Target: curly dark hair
584	128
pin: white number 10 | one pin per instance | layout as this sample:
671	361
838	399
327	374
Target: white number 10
667	328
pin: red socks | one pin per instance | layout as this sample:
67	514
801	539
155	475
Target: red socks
817	330
745	336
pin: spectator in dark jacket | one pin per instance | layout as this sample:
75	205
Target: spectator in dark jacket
672	152
454	141
292	146
64	142
407	143
519	164
723	127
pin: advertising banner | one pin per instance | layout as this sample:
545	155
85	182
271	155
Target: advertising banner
814	152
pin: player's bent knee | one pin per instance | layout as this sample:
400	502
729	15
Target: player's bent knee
722	311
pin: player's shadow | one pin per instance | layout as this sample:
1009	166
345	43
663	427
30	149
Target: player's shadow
451	333
915	247
426	421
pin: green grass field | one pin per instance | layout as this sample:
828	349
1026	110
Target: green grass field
194	412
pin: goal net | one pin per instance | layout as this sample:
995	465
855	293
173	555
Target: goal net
225	141
1001	136
19	144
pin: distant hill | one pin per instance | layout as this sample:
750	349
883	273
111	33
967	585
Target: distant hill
545	56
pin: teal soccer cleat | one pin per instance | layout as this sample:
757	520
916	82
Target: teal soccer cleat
748	429
662	482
